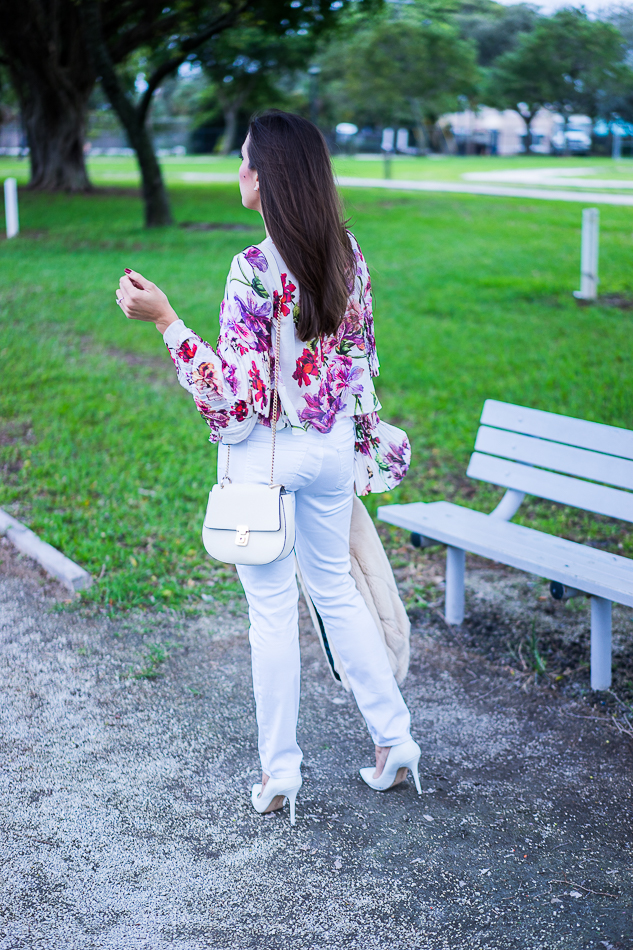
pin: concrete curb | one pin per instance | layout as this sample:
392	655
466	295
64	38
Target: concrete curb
53	561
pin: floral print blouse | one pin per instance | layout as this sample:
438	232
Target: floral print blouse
323	379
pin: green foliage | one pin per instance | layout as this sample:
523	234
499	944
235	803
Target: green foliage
568	62
104	455
399	69
249	68
495	29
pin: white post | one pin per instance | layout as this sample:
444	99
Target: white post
616	150
589	255
454	597
600	643
11	206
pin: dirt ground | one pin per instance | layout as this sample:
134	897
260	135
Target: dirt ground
128	750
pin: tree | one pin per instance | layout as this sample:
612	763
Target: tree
45	56
246	67
568	63
493	28
197	21
45	52
620	103
54	53
399	69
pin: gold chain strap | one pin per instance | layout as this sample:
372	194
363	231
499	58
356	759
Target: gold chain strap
275	394
273	425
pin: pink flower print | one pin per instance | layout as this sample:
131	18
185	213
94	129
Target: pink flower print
237	345
307	366
256	259
240	410
286	297
257	385
327	344
366	441
353	317
186	351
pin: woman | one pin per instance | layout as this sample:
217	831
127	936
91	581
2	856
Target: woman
309	269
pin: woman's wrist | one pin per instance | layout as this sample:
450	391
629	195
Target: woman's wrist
165	320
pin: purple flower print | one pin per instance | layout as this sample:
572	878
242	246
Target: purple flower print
396	460
256	258
216	419
353	316
342	374
365	441
255	328
321	408
228	371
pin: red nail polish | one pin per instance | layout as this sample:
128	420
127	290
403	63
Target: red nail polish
127	270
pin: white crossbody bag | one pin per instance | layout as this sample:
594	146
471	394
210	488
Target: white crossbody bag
251	523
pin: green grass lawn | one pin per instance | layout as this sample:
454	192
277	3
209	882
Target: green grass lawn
104	455
119	170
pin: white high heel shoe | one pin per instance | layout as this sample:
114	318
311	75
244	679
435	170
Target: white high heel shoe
275	793
400	760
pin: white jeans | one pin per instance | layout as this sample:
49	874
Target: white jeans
318	468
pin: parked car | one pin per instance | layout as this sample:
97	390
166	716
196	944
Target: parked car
574	141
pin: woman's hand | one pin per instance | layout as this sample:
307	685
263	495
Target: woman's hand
140	299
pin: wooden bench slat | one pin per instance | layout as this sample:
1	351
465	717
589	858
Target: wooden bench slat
575	565
561	458
560	488
550	425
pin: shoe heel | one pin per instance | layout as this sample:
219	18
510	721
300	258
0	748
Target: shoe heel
292	798
413	766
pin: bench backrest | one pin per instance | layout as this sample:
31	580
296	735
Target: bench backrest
536	452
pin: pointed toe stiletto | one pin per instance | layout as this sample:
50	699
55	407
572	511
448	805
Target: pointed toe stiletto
274	794
401	759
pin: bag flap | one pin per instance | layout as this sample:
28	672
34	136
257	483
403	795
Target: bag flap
256	506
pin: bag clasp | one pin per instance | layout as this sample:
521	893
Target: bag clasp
241	535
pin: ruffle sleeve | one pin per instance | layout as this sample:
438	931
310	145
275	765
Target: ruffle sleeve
365	302
382	454
230	387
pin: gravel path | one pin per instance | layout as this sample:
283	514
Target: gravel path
125	818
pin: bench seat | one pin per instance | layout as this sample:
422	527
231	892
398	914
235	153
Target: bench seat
574	565
587	465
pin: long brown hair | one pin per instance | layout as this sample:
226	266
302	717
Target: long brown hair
303	215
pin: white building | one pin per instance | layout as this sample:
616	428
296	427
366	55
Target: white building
494	132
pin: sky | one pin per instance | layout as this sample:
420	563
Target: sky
592	6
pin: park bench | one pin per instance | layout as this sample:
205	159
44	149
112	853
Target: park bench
565	460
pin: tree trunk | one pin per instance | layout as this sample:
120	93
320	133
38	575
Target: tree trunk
133	118
231	106
230	128
46	58
55	126
420	130
528	132
157	210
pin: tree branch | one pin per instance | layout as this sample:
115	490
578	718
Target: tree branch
105	66
186	47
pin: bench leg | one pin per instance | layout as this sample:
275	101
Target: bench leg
600	643
455	570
